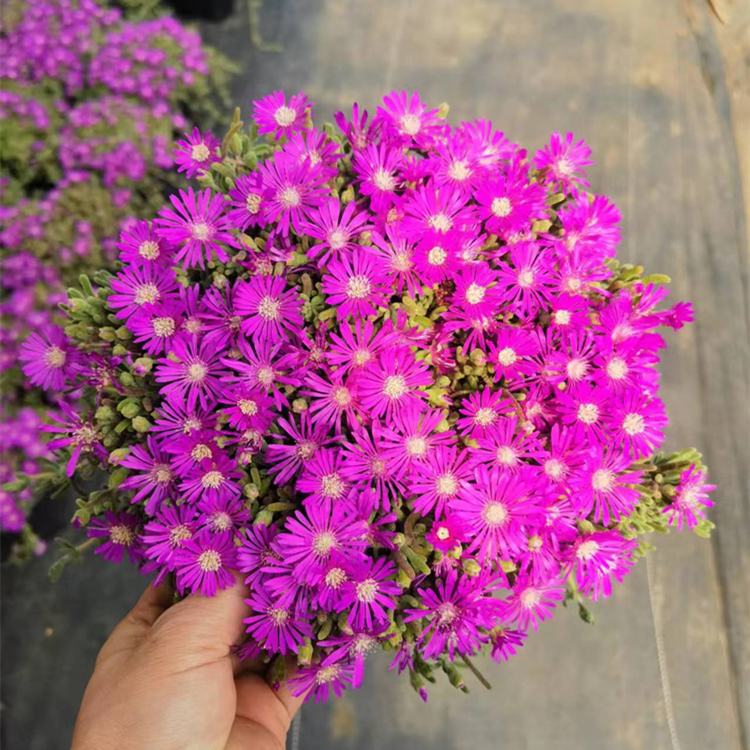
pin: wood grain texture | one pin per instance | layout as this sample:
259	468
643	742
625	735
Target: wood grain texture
667	667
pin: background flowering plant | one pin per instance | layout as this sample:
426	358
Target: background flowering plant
90	105
393	373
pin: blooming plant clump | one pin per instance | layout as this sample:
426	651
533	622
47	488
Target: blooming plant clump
89	109
393	373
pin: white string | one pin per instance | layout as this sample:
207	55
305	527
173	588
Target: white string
654	595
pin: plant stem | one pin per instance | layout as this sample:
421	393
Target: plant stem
476	672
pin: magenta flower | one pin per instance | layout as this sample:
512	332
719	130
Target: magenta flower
586	412
121	532
197	226
274	626
321	479
354	349
602	484
137	286
456	611
279	117
564	161
299	444
378	168
440	479
213	480
196	154
248	198
492	510
414	435
49	360
428	209
527	284
355	646
336	229
407	119
357	131
139	245
435	257
203	563
505	641
532	603
165	534
249	408
506	446
332	399
637	423
355	285
511	353
270	310
368	593
155	481
446	535
80	436
392	384
256	552
600	557
480	411
314	147
194	377
318	681
155	326
311	536
690	499
293	190
396	256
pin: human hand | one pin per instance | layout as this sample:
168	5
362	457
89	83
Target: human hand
166	678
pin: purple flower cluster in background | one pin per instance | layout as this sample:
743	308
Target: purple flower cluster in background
393	375
90	106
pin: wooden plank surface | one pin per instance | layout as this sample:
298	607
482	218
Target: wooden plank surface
668	664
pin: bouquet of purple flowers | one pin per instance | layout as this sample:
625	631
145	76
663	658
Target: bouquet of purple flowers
391	372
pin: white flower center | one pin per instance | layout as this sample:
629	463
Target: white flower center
617	368
332	486
402	262
178	534
212	479
410	124
197	372
446	614
341	395
447	485
209	561
384	180
530	598
201	231
269	308
440	222
163	327
327	674
200	152
121	534
248	407
443	533
494	514
562	317
437	256
284	116
252	203
459	170
416	446
306	450
588	413
633	424
146	294
485	416
335	577
395	386
361	357
358	287
161	473
278	615
290	198
200	452
577	368
507	356
501	207
525	279
323	543
149	250
587	550
222	522
602	479
554	469
506	456
55	357
337	239
475	293
367	590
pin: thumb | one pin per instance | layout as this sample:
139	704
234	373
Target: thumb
207	626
